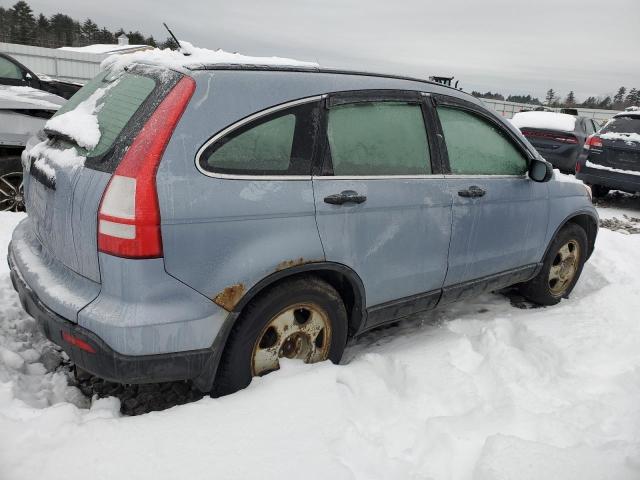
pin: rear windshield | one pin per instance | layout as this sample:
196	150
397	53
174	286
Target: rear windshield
122	97
622	124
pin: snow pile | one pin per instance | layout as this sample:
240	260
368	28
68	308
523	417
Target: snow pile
629	137
31	96
564	178
197	56
629	112
81	123
546	120
611	169
476	390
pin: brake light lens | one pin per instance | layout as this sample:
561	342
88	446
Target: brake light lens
593	141
548	135
129	215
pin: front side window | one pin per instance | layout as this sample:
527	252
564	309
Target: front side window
9	70
476	147
277	144
378	138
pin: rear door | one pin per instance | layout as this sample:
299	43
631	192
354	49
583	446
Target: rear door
499	215
382	206
68	171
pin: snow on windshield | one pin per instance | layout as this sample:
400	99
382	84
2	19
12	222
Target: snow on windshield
197	56
547	120
81	123
630	137
30	95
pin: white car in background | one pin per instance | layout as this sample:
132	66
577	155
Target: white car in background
23	112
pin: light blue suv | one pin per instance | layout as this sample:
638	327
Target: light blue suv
230	216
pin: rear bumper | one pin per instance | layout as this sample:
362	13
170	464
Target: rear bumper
105	362
608	179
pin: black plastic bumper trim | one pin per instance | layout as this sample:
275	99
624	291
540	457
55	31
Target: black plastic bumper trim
107	363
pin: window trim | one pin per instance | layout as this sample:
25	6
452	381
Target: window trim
460	104
241	123
420	98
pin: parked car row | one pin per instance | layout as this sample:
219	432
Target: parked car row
605	157
208	233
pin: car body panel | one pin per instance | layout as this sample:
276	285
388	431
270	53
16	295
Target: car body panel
224	236
500	231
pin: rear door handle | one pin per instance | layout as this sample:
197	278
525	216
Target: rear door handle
346	196
472	192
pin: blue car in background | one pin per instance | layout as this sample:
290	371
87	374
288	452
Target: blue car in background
229	216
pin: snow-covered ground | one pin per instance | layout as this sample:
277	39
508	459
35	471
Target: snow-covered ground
479	390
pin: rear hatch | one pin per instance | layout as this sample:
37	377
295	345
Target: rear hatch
67	171
620	148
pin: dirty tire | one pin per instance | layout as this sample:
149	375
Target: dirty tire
598	191
538	289
236	366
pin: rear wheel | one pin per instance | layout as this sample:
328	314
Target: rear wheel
598	191
300	319
11	192
561	268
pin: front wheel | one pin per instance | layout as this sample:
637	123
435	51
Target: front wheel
561	269
300	319
11	192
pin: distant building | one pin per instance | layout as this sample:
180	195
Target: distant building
108	48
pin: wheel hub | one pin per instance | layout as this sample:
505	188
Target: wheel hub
301	332
564	268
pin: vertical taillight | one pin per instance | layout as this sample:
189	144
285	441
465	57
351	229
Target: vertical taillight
593	141
129	215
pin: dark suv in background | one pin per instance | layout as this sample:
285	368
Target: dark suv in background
611	158
14	73
559	137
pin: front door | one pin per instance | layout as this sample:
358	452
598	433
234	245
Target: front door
499	215
382	206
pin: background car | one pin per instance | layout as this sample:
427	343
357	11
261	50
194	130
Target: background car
559	137
611	158
14	73
23	112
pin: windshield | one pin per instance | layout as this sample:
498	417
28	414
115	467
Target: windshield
622	124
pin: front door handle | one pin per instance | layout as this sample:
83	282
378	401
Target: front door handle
346	196
472	192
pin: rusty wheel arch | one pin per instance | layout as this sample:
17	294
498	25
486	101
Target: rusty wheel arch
339	276
584	220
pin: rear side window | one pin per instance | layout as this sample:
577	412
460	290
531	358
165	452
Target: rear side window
622	124
477	147
121	99
9	70
378	138
276	144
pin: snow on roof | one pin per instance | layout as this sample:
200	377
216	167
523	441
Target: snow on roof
99	48
629	112
546	120
27	97
197	56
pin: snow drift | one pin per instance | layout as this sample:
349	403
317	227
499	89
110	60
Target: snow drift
478	390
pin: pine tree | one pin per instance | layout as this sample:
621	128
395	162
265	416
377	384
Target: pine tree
23	28
89	32
570	101
619	97
633	98
550	96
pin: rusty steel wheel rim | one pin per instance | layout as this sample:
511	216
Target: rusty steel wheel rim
11	192
301	331
564	268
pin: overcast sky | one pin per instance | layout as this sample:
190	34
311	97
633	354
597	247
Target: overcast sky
512	46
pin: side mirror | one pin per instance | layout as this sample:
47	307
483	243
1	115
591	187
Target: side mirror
540	170
28	77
